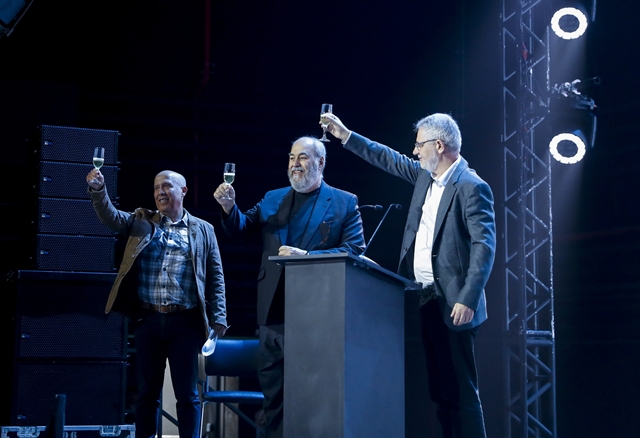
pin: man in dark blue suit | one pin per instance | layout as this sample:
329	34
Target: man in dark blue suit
310	217
449	247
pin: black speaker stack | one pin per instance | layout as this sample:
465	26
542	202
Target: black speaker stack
64	342
69	236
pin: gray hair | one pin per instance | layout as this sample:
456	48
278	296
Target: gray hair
443	127
318	146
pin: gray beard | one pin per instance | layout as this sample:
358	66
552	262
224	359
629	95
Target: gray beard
309	178
431	165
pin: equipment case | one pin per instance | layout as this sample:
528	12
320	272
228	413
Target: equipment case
71	431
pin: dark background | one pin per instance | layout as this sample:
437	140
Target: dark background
189	94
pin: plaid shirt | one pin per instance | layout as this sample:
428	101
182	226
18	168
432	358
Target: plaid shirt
166	274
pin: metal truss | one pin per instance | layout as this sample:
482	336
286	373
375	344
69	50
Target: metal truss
530	390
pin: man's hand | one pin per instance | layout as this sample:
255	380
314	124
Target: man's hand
285	250
219	329
462	314
95	179
226	197
336	127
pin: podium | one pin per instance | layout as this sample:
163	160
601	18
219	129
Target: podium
344	347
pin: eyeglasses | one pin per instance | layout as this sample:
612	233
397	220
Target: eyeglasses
422	143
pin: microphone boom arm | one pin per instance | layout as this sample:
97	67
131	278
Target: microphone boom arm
398	207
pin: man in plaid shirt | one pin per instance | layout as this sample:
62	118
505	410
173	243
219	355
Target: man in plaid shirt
171	283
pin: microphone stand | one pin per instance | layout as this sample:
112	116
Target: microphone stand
397	207
375	207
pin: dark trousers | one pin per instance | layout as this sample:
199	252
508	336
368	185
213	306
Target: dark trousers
177	337
271	377
453	379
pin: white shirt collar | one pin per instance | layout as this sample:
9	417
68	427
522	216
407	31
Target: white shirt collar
443	179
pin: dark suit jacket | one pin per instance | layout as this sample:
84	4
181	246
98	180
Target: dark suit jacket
334	226
464	235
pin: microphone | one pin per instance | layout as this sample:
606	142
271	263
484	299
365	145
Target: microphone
375	207
397	207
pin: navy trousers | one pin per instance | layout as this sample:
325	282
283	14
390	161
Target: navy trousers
453	379
271	377
177	337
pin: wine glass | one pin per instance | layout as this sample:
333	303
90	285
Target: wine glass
229	176
210	345
326	108
98	159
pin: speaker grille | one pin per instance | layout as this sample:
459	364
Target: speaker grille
61	143
69	216
61	315
75	253
95	392
68	180
72	336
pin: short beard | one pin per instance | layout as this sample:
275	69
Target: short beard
309	178
431	165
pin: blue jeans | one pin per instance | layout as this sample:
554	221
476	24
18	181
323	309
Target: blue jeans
177	337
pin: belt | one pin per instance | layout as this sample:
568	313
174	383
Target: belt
172	308
427	293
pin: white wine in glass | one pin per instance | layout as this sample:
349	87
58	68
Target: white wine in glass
229	176
326	108
98	157
98	160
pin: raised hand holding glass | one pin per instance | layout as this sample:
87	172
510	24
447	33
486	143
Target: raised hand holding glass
326	108
98	157
229	176
98	160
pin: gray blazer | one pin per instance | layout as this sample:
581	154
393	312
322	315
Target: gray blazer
464	235
139	227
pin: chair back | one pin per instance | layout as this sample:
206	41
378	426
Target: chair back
233	357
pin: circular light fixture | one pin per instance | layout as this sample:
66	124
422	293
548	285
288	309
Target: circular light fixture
567	148
569	23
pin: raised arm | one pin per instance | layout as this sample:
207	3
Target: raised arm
116	220
377	154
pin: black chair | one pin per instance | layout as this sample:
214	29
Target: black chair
233	358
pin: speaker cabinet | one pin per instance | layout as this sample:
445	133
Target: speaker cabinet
69	216
60	315
95	392
65	344
68	180
69	236
74	253
68	144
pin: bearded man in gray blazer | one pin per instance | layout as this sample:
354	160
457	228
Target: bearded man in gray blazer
449	247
